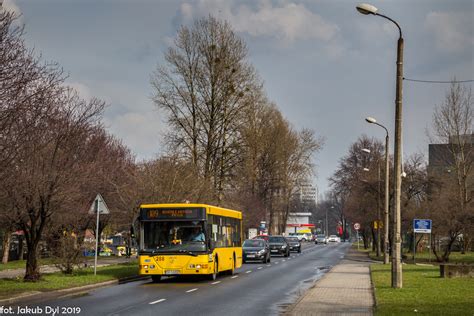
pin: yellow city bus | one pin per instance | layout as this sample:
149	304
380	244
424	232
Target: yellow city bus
189	239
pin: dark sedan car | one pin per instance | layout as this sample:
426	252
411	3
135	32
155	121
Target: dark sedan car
255	249
279	246
294	243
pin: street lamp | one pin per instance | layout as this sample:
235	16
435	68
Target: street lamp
396	253
386	255
378	202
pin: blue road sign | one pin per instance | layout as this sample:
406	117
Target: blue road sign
422	226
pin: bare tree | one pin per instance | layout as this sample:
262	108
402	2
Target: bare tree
204	88
452	166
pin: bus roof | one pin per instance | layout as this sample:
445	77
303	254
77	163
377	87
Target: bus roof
210	209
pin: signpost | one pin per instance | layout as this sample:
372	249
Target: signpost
98	207
357	227
421	226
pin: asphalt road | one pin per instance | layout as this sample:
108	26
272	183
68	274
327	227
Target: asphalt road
255	289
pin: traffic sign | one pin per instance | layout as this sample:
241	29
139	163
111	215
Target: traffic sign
356	226
99	203
422	226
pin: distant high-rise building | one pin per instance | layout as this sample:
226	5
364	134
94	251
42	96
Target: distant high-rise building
441	157
308	193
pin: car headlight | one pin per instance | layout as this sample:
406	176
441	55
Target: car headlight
283	247
261	252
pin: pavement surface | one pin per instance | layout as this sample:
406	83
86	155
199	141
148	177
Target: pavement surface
345	290
101	262
255	289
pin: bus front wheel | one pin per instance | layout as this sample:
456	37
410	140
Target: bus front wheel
213	276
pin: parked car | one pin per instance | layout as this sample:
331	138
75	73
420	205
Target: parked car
255	249
279	246
334	238
321	239
294	243
301	236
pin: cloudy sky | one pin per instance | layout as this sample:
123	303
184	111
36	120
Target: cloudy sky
325	65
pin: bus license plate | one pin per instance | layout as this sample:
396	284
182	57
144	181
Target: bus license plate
172	272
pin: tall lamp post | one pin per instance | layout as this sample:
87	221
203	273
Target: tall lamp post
378	202
397	242
386	254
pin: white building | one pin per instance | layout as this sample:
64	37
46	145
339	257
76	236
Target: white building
298	221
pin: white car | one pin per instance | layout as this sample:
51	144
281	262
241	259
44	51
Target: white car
302	236
334	238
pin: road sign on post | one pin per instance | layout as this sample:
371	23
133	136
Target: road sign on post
357	227
98	207
421	226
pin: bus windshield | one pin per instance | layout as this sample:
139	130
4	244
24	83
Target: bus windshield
174	236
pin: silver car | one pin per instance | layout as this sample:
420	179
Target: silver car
321	239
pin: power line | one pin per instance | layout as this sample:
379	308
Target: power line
436	81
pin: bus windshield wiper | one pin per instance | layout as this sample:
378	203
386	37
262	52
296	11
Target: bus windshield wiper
188	252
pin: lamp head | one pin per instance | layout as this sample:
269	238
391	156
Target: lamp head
366	150
370	120
365	8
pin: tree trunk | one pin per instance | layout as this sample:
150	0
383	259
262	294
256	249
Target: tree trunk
6	246
374	238
32	269
20	247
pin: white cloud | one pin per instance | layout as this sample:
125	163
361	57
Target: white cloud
83	90
288	21
9	5
453	32
139	131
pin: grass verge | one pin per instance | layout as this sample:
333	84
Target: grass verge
21	264
422	257
423	292
56	281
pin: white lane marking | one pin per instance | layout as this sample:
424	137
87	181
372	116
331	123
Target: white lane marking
217	282
269	265
259	268
158	301
235	276
248	271
276	262
191	290
283	260
294	257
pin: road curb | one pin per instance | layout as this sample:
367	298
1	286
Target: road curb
37	296
292	306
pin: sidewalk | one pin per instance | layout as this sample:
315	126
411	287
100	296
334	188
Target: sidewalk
345	290
101	262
